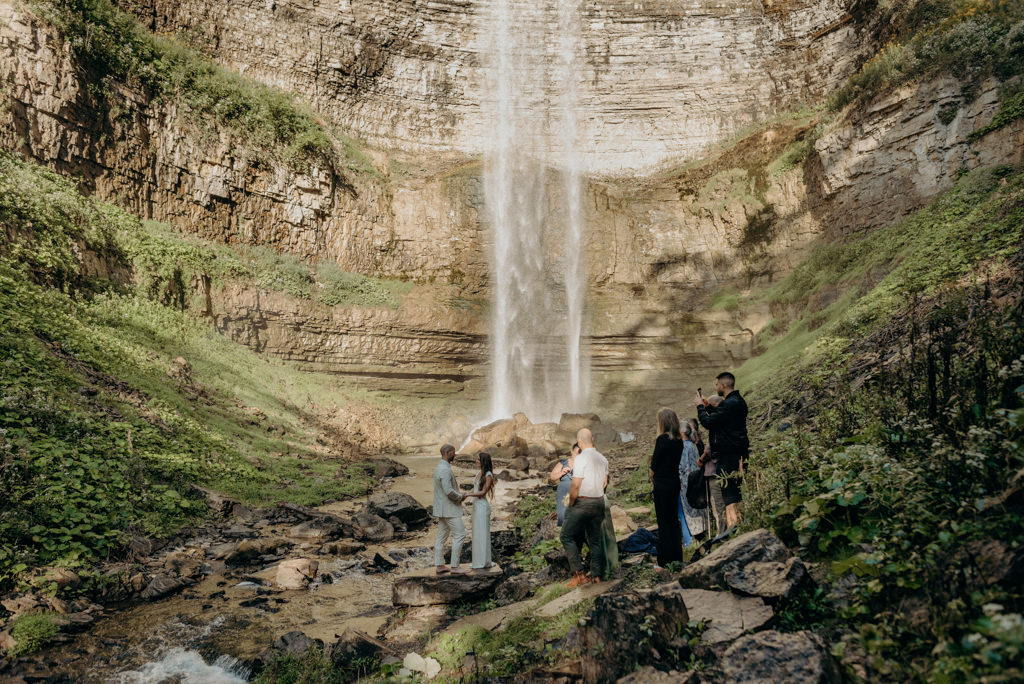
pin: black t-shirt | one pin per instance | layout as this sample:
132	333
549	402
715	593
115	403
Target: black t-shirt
665	461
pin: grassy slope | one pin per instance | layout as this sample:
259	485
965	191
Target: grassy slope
95	438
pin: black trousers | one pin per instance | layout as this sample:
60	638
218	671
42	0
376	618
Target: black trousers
670	532
583	520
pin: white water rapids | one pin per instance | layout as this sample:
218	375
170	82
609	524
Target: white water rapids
538	270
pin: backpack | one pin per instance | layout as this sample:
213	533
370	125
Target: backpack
696	492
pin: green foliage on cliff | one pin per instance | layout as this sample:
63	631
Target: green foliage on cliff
268	123
972	39
896	368
101	431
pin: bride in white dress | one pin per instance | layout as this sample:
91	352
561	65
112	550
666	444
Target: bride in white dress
483	490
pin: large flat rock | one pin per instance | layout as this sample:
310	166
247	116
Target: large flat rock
756	563
432	590
776	658
727	616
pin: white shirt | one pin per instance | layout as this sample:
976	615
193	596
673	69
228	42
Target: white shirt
592	467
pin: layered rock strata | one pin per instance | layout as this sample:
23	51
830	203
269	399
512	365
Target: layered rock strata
660	79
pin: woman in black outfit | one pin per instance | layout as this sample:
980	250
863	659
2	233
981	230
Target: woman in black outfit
665	480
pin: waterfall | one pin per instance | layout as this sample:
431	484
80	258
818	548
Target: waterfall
537	364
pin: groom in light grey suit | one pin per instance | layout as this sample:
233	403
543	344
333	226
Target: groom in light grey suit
448	511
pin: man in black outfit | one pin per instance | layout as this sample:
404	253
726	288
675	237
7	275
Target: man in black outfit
728	421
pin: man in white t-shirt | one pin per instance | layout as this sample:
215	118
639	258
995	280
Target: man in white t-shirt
585	513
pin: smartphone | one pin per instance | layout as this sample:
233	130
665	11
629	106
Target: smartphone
699	392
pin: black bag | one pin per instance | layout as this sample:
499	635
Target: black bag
696	492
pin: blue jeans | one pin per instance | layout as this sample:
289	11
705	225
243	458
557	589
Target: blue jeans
687	537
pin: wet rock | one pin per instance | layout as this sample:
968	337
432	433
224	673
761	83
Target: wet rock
727	616
755	563
79	622
799	658
318	530
354	645
372	528
294	643
398	524
250	550
399	505
386	467
180	563
296	573
624	631
161	586
342	548
427	590
383	563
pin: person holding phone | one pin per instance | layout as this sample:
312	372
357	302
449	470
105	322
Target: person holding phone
728	422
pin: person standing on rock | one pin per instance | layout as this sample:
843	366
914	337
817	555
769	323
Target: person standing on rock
709	461
586	511
448	511
562	474
664	471
483	489
728	422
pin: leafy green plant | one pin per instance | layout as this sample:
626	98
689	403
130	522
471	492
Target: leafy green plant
31	633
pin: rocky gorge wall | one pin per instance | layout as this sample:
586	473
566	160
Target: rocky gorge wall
658	245
660	79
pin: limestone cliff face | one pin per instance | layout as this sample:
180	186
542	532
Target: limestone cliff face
660	79
658	244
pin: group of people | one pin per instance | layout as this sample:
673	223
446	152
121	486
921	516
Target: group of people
583	509
680	450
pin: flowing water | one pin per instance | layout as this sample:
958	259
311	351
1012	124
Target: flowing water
538	271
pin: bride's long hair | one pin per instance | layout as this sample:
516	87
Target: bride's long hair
485	467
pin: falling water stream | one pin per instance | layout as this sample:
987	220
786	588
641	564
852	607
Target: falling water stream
537	364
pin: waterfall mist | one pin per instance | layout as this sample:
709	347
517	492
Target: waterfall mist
537	262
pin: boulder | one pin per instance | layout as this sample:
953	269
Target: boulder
727	615
7	642
21	604
345	547
431	590
353	645
520	421
295	643
249	550
472	448
386	467
295	573
772	580
538	433
181	564
627	630
412	623
520	463
498	433
516	588
372	528
161	586
318	530
399	505
755	563
799	658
